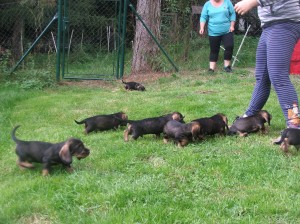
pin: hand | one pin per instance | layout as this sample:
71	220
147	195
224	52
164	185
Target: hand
245	6
201	31
231	29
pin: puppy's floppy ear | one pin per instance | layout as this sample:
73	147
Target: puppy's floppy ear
65	154
124	116
177	117
196	127
267	117
225	119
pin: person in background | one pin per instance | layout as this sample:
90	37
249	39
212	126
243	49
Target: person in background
219	15
280	22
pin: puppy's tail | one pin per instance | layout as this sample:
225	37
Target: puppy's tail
279	140
13	134
80	122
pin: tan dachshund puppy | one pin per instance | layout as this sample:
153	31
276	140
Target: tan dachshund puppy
48	153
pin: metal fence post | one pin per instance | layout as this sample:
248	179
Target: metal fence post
64	31
58	40
120	7
123	38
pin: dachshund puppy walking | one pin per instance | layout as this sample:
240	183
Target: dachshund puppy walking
181	133
289	136
216	124
48	153
104	122
255	123
133	86
154	125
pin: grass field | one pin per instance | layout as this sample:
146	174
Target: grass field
219	180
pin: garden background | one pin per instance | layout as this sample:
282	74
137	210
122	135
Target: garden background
218	180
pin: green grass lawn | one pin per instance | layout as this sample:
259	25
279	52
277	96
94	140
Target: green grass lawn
218	180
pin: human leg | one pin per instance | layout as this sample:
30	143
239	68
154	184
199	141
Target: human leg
214	43
262	86
228	43
282	39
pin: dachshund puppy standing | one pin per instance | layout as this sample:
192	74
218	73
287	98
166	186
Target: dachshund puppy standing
154	125
289	136
216	124
104	122
181	133
255	123
133	86
48	153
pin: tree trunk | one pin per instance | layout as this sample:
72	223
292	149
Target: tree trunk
17	42
187	37
144	47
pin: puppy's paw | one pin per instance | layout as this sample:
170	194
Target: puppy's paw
276	141
23	165
242	134
45	172
70	169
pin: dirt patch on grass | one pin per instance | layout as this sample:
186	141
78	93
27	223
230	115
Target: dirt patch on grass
144	78
141	78
88	83
206	92
36	219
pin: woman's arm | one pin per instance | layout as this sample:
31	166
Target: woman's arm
245	6
202	25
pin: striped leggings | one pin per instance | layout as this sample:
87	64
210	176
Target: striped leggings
273	57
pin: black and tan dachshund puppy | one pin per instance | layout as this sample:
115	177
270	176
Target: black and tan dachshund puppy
48	153
133	86
255	123
154	125
181	133
216	124
289	136
104	122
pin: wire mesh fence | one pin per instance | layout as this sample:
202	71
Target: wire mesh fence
91	45
20	25
93	36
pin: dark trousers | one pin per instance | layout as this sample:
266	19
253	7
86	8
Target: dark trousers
215	43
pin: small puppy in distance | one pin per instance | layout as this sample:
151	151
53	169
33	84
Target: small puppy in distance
133	86
48	153
104	122
289	136
255	123
181	133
